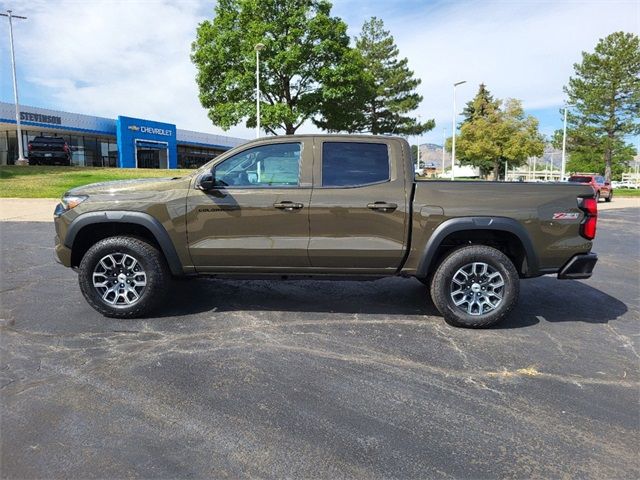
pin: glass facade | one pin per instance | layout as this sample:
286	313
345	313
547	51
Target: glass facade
95	150
86	150
195	157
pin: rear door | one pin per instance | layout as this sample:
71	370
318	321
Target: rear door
257	217
359	205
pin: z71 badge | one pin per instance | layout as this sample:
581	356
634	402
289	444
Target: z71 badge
565	216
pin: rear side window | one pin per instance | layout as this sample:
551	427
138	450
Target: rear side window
350	164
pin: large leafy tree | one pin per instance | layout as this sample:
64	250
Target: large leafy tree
493	134
605	93
390	89
307	68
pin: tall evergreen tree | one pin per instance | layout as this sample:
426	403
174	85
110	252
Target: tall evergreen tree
392	93
605	93
482	105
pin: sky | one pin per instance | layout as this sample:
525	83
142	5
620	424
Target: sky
131	57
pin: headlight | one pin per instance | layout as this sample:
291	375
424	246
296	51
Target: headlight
68	202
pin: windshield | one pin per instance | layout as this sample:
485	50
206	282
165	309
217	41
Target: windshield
580	179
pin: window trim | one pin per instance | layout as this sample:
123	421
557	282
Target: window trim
359	185
261	187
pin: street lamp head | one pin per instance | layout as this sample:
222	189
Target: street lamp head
259	46
459	83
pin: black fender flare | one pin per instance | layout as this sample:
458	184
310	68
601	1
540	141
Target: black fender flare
460	224
138	218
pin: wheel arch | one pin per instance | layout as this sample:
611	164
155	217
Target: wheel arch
90	227
475	229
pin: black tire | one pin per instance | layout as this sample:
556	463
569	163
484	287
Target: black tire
610	197
597	197
151	263
442	287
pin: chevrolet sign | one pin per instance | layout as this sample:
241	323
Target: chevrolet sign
152	130
156	131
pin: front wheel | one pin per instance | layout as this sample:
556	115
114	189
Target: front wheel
123	277
475	286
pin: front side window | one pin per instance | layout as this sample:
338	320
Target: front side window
350	164
276	165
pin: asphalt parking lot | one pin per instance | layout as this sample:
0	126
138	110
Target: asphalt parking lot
319	379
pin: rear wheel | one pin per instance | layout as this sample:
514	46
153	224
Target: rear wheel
597	197
610	197
475	286
123	277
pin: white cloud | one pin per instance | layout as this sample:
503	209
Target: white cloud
116	58
132	57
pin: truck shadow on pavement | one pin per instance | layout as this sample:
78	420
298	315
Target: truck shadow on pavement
541	299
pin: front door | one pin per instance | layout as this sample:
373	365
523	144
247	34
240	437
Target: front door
257	216
358	207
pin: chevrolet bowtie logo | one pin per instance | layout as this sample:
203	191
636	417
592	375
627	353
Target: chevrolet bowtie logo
135	128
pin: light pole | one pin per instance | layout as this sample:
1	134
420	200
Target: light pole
563	163
21	160
444	140
258	47
453	130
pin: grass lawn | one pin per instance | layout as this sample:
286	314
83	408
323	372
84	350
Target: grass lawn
52	182
626	192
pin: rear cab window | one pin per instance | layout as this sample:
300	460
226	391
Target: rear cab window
580	179
353	164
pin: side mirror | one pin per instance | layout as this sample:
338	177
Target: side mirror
607	183
206	181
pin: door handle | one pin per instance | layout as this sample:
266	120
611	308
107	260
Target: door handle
382	206
288	206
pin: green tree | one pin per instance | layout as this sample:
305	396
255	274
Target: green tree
482	105
306	68
391	91
493	134
587	155
414	154
605	93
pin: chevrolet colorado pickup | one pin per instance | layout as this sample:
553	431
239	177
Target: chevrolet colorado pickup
328	206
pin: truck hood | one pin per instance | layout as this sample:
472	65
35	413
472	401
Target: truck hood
117	186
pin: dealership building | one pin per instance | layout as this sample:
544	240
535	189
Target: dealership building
124	142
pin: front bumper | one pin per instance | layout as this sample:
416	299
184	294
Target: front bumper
63	254
579	266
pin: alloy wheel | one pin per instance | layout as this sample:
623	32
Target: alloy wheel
477	288
119	279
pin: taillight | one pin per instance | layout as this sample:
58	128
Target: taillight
29	147
66	148
590	208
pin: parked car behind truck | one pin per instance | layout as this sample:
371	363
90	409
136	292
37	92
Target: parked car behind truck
49	151
601	187
324	206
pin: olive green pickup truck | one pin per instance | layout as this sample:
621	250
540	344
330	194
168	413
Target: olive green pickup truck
325	206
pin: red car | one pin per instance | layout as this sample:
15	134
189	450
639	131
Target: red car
603	189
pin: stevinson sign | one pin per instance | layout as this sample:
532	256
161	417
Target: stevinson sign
151	130
40	118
